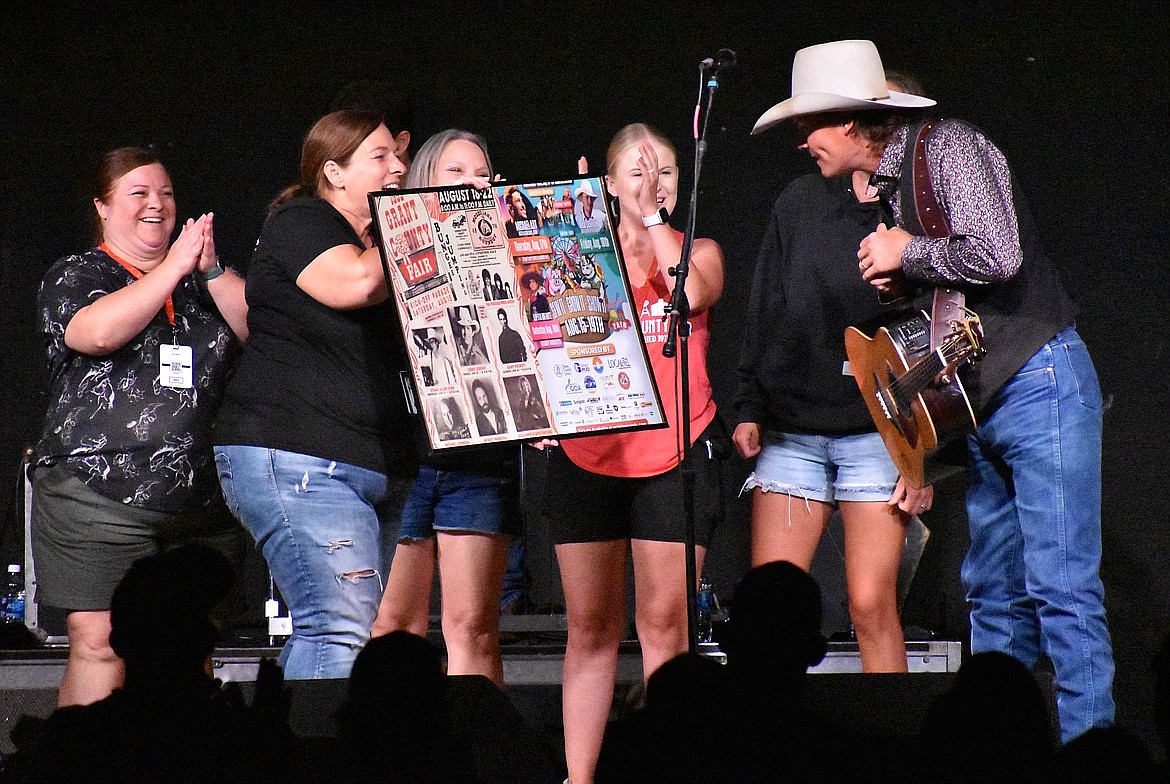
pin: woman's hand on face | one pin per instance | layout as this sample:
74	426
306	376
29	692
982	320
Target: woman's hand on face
647	193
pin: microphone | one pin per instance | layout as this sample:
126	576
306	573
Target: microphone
723	60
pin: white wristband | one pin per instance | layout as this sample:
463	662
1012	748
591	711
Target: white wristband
658	218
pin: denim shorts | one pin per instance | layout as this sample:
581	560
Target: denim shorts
825	468
459	502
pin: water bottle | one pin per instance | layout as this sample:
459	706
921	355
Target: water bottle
704	608
12	602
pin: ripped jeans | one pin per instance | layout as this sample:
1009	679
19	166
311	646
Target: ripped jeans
315	522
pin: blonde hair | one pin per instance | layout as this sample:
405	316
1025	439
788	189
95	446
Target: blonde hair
422	170
628	136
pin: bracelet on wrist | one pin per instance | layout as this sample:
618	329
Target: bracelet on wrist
214	272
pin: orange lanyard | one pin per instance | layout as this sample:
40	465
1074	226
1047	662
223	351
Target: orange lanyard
169	308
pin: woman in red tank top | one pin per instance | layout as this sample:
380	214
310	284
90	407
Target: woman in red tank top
621	492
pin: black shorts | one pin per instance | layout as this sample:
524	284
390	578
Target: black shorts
586	507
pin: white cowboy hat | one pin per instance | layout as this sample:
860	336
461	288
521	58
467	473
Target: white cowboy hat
465	320
838	76
585	189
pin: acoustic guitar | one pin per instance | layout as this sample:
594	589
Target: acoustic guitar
912	390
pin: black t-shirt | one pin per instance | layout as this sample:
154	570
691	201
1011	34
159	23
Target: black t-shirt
806	291
315	380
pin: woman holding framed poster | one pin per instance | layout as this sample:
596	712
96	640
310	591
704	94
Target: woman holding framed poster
310	436
622	492
463	505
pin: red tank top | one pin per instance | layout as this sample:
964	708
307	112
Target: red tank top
652	452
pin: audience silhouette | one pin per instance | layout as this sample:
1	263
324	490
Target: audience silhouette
680	732
395	724
771	637
405	721
1104	754
171	721
991	725
1161	666
743	722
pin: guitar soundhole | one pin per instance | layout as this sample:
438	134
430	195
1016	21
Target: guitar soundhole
898	408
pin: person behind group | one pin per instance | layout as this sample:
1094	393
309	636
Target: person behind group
622	492
1034	498
311	432
389	99
140	333
803	419
462	507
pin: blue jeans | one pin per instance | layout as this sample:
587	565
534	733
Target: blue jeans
1034	503
316	523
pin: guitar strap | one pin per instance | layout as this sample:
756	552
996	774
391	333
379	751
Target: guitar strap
928	219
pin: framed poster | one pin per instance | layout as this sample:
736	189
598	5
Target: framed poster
515	310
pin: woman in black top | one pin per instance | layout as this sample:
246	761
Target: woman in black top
312	429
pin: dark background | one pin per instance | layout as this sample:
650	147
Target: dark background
1077	99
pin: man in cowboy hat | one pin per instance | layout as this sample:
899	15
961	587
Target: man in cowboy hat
1034	498
472	350
589	215
442	359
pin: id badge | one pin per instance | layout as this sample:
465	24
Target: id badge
174	366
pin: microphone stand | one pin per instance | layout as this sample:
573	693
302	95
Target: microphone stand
678	332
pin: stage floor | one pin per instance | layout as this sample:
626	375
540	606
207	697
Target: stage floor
535	661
